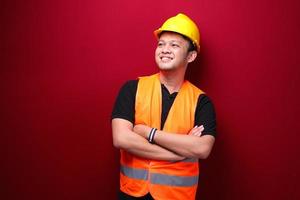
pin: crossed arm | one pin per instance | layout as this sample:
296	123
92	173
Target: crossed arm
168	146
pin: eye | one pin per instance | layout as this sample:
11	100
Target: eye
160	44
175	45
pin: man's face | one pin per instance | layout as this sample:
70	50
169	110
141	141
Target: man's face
171	51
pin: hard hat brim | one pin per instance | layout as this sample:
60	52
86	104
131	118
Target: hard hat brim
157	33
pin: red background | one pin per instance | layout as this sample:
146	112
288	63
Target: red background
63	62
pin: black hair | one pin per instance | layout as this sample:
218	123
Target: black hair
192	47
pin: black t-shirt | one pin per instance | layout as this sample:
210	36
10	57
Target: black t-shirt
125	107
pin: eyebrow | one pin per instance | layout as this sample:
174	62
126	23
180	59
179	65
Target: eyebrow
160	40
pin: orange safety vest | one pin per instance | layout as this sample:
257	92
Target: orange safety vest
165	180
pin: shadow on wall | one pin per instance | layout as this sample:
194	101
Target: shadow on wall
197	71
214	171
215	180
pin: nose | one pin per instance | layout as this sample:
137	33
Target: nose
166	48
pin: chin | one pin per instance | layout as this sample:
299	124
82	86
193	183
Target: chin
165	67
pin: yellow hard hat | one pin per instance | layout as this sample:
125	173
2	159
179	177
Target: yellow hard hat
183	25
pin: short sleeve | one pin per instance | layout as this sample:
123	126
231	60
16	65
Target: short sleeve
124	106
205	115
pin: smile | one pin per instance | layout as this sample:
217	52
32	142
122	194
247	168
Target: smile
166	58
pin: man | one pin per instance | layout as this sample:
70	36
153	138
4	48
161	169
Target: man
162	123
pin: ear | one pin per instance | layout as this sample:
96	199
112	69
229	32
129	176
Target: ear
191	56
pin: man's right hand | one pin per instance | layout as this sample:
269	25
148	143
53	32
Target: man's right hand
197	130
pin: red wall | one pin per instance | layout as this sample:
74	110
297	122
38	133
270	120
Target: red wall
63	62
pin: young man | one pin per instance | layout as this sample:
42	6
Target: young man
162	123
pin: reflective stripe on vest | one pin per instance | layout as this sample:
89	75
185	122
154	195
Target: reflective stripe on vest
156	178
170	180
192	160
135	173
176	180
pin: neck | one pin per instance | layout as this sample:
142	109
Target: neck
171	80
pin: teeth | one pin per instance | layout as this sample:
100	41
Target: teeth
166	58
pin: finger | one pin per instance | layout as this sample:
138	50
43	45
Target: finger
198	134
199	131
193	130
196	129
201	128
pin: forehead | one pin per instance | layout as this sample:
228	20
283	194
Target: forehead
168	36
